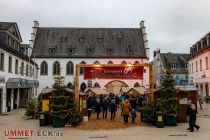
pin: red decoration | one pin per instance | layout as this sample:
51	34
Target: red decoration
130	72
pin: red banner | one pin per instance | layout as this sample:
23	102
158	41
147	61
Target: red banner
133	72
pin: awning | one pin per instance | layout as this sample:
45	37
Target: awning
14	83
25	83
33	83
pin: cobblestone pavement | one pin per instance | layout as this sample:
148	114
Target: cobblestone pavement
15	121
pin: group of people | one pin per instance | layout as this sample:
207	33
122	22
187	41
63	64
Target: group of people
110	103
191	115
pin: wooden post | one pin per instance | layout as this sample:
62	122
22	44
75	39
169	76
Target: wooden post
76	84
151	82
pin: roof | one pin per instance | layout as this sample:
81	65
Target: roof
139	90
89	43
186	88
175	58
96	91
12	28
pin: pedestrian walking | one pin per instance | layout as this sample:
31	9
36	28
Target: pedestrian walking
126	108
188	112
97	107
200	101
192	118
133	116
105	107
113	109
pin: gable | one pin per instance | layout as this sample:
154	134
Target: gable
13	29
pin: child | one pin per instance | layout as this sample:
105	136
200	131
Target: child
133	116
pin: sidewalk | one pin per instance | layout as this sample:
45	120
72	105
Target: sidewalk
15	121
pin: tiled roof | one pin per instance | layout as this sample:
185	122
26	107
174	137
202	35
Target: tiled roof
89	43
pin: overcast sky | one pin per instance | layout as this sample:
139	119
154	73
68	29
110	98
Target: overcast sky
171	25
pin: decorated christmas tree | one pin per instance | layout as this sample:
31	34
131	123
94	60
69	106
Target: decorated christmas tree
31	110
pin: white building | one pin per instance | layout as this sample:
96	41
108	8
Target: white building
199	65
17	77
58	50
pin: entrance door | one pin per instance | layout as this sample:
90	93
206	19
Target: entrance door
8	100
1	93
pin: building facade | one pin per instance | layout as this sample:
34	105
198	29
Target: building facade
177	63
58	50
18	80
199	65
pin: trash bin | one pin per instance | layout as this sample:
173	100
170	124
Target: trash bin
43	119
160	119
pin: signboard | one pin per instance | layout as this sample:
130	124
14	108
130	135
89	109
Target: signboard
45	105
183	101
121	72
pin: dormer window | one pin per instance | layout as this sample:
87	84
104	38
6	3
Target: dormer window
63	39
51	50
173	66
100	39
82	39
110	50
90	51
129	49
71	50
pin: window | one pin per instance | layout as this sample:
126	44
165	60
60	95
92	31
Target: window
13	43
96	62
16	66
110	50
2	62
110	62
81	70
207	63
200	64
82	39
123	62
136	84
136	62
44	68
10	65
189	68
56	68
22	68
30	71
192	68
90	51
69	68
100	39
9	41
71	51
129	49
196	66
173	66
186	66
51	50
26	70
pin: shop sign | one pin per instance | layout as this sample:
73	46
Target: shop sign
130	72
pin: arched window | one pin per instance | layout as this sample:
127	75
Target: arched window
69	68
44	68
56	68
83	87
123	62
110	62
96	85
136	62
136	84
96	62
81	70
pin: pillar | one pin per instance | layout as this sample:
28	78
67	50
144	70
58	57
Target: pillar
18	97
208	89
12	99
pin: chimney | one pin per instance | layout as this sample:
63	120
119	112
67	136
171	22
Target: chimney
33	35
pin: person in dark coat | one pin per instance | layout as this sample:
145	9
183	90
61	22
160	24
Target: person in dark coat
188	112
133	116
117	100
97	107
105	107
113	109
192	118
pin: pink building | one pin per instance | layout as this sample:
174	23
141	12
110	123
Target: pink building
199	65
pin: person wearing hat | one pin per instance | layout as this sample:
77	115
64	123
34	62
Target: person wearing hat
192	118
